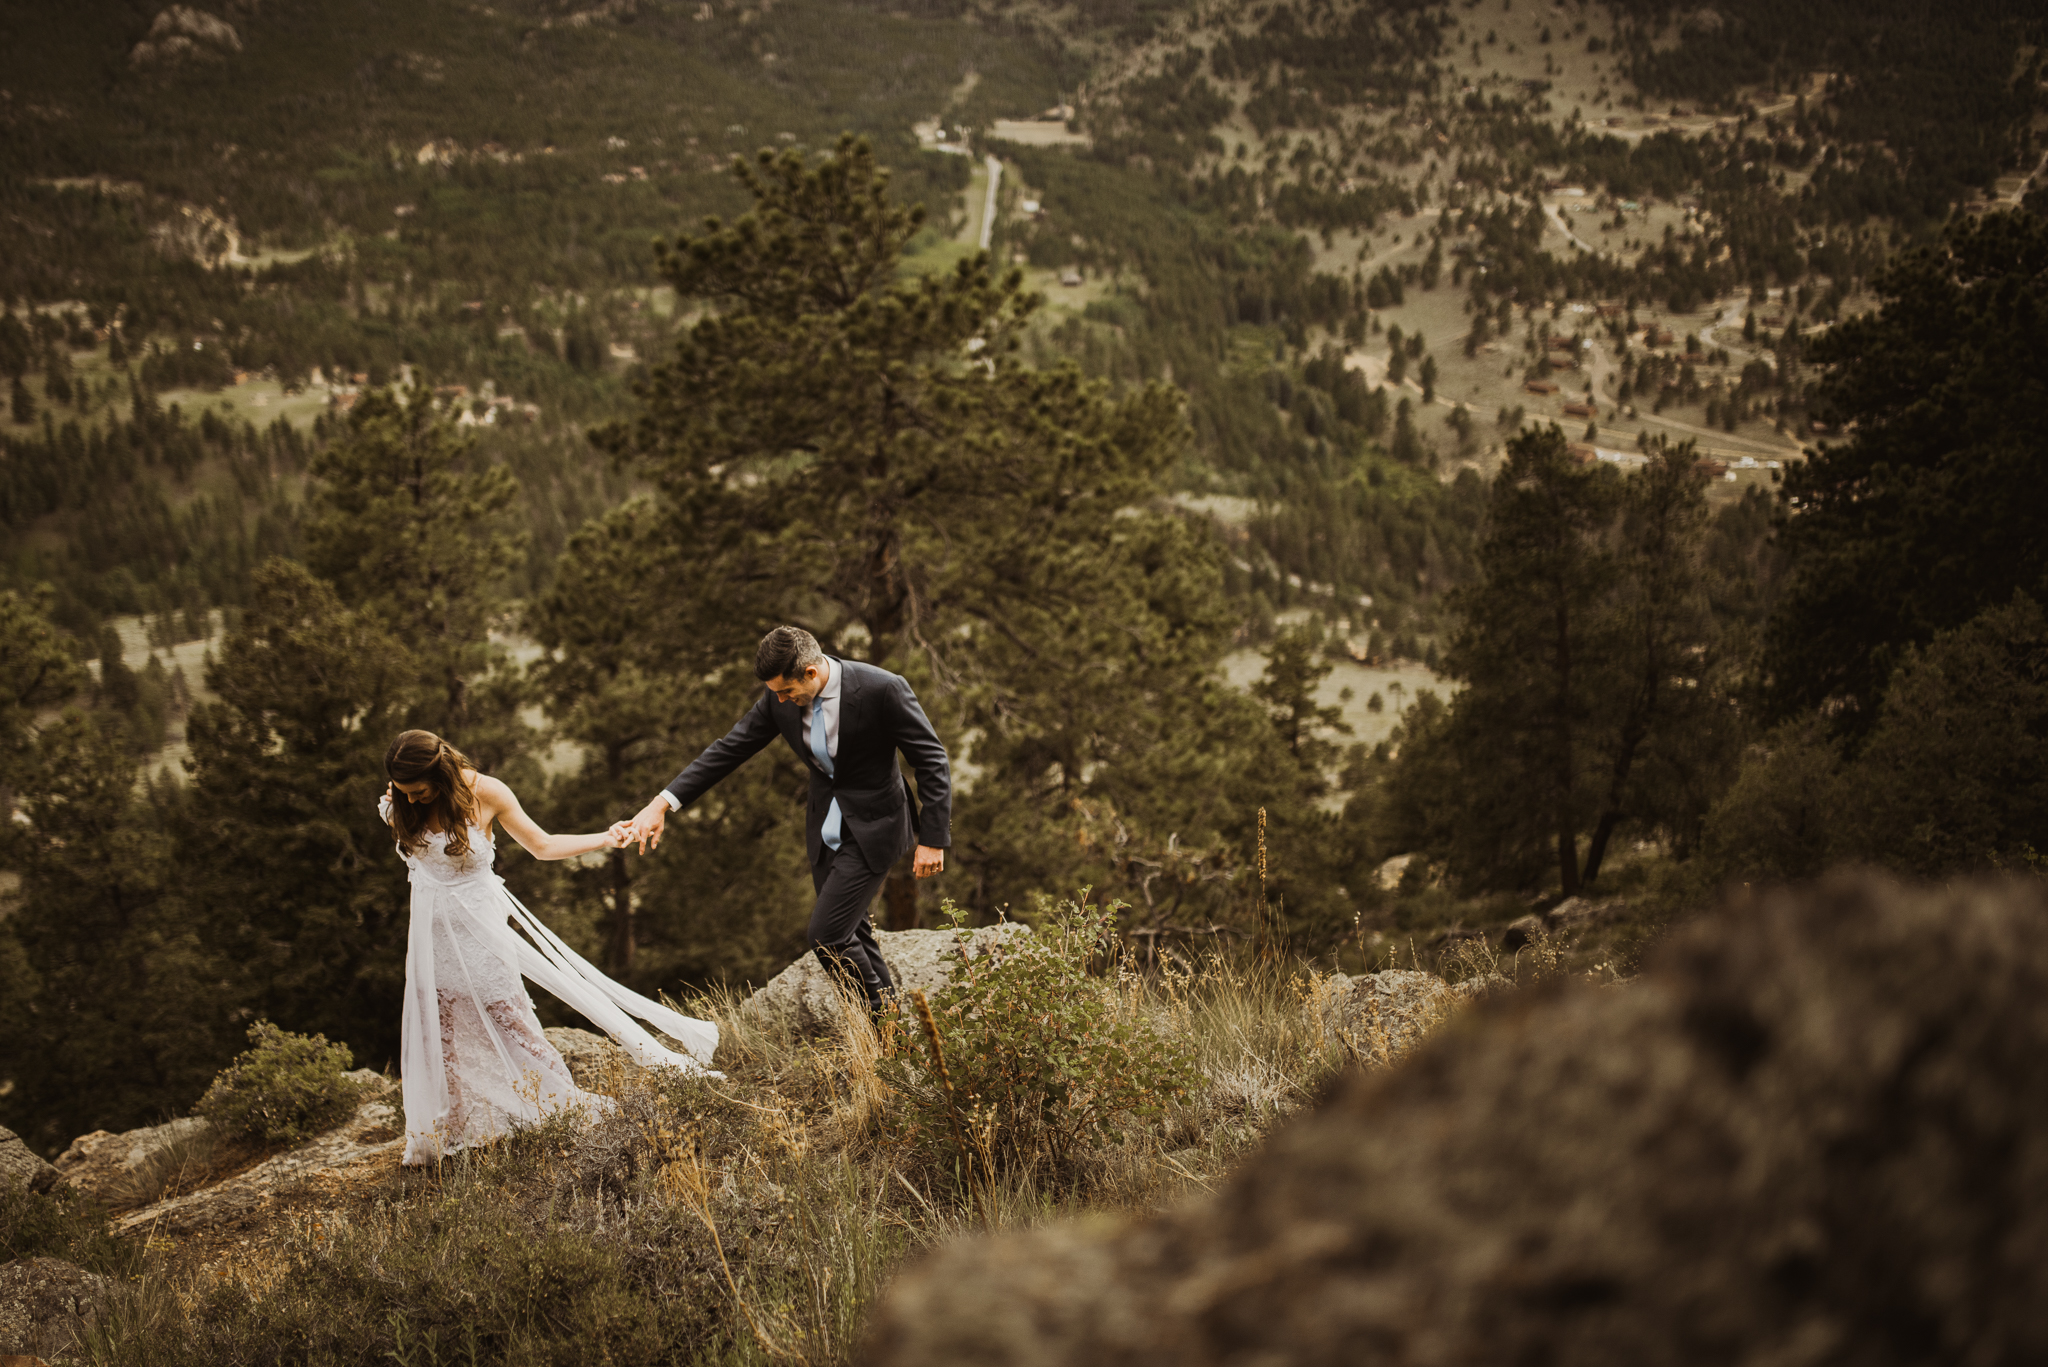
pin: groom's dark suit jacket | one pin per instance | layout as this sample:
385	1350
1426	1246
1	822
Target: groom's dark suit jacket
878	715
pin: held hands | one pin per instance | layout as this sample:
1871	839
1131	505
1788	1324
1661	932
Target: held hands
646	828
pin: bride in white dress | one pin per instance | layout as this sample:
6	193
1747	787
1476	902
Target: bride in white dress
472	1057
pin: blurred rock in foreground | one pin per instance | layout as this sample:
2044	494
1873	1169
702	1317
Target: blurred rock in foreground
1815	1130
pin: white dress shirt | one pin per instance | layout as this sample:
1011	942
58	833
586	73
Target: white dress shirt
825	705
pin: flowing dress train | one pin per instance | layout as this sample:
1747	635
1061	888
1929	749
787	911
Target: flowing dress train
472	1057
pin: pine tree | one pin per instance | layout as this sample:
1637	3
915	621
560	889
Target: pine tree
24	403
408	523
1295	668
1529	647
37	672
111	1003
1932	511
1594	695
870	459
294	878
640	676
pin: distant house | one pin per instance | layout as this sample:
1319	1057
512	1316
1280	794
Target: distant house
1582	452
1610	310
1714	468
1540	387
1070	276
1563	344
1588	409
1661	337
1564	362
1695	357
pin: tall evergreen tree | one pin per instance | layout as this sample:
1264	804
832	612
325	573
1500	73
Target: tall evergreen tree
1532	640
407	522
1295	670
1674	729
113	1007
290	870
630	675
870	459
1932	510
37	672
1591	695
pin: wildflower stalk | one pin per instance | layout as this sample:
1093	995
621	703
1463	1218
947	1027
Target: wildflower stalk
931	1030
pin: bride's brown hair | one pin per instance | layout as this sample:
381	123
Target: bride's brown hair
418	756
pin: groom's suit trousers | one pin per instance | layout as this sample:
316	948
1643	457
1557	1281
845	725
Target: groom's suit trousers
840	931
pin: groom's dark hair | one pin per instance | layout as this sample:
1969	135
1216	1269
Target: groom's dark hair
785	653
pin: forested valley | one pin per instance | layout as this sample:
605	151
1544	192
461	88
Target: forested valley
1297	531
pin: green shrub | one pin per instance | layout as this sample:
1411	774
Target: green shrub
285	1089
1043	1056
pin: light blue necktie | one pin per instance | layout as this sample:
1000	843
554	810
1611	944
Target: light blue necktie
830	832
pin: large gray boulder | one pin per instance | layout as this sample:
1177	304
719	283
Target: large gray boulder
1815	1130
22	1166
45	1306
1381	1016
369	1141
103	1164
802	999
597	1064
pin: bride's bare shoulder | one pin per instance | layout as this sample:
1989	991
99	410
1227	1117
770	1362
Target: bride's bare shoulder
492	792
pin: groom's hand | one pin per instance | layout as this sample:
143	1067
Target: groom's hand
647	826
927	862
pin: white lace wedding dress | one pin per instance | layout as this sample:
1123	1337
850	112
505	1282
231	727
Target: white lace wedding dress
472	1057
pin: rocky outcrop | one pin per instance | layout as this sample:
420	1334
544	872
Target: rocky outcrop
1814	1130
101	1164
46	1305
1485	987
803	999
182	34
1381	1016
22	1166
371	1134
597	1064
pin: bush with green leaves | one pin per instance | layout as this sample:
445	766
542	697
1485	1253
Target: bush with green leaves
1041	1058
284	1089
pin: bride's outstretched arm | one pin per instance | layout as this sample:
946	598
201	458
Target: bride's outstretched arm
502	803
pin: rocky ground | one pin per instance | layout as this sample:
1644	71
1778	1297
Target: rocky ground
205	1209
1814	1130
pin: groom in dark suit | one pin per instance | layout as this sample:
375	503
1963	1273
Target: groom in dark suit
846	721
